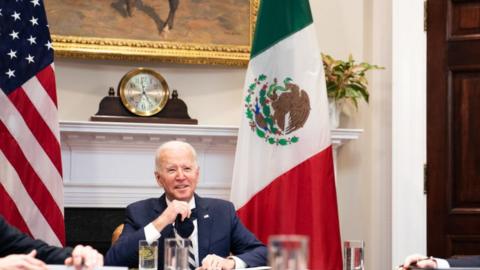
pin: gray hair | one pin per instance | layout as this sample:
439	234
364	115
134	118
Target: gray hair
169	145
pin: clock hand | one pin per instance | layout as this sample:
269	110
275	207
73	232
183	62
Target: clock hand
150	100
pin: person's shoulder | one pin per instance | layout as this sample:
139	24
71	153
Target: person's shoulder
146	203
217	202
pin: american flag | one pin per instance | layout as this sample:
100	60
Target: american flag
31	186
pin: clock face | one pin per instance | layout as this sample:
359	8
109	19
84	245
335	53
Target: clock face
143	92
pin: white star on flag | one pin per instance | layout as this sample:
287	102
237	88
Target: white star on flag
16	16
30	59
34	21
12	54
14	35
32	41
10	73
49	45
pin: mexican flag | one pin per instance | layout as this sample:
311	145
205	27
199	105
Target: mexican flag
283	180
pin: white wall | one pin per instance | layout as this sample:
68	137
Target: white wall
83	83
364	181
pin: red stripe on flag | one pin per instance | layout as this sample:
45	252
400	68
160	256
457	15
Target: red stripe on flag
37	126
32	183
10	211
46	77
301	201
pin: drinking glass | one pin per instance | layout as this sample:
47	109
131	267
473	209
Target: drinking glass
288	252
147	255
176	254
353	252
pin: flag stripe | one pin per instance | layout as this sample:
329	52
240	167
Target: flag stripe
306	196
45	79
40	95
10	211
34	153
32	184
279	19
37	126
38	225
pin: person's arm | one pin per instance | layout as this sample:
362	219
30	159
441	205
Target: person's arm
466	261
12	241
21	250
125	251
245	245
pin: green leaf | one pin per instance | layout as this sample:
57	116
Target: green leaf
262	77
354	101
260	133
248	99
294	139
249	114
266	111
287	80
364	94
282	142
262	100
271	140
252	86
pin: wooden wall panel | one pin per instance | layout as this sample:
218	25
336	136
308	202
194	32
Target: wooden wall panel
460	245
464	20
466	139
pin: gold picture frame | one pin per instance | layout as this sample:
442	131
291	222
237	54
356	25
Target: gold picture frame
88	46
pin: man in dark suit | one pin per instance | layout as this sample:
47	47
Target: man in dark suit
19	251
217	231
422	261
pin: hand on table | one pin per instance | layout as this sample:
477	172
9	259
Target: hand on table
214	262
420	261
22	261
85	257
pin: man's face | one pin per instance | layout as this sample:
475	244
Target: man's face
178	173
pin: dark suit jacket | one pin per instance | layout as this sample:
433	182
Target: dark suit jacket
467	261
220	232
12	241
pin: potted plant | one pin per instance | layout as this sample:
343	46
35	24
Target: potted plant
346	84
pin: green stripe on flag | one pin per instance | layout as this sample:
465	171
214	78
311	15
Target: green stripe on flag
278	19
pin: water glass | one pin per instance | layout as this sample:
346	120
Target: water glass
288	252
353	252
147	255
176	254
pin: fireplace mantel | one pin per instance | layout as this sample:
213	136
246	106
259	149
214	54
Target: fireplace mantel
107	164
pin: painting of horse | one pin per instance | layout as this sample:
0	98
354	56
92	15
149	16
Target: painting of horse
225	22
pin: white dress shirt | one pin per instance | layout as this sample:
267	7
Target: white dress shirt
441	263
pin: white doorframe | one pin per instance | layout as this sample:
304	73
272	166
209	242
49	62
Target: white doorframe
408	129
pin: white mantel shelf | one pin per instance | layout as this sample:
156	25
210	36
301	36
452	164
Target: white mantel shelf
109	164
98	131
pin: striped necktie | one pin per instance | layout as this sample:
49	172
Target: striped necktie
191	256
184	229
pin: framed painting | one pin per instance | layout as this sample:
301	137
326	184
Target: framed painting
179	31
